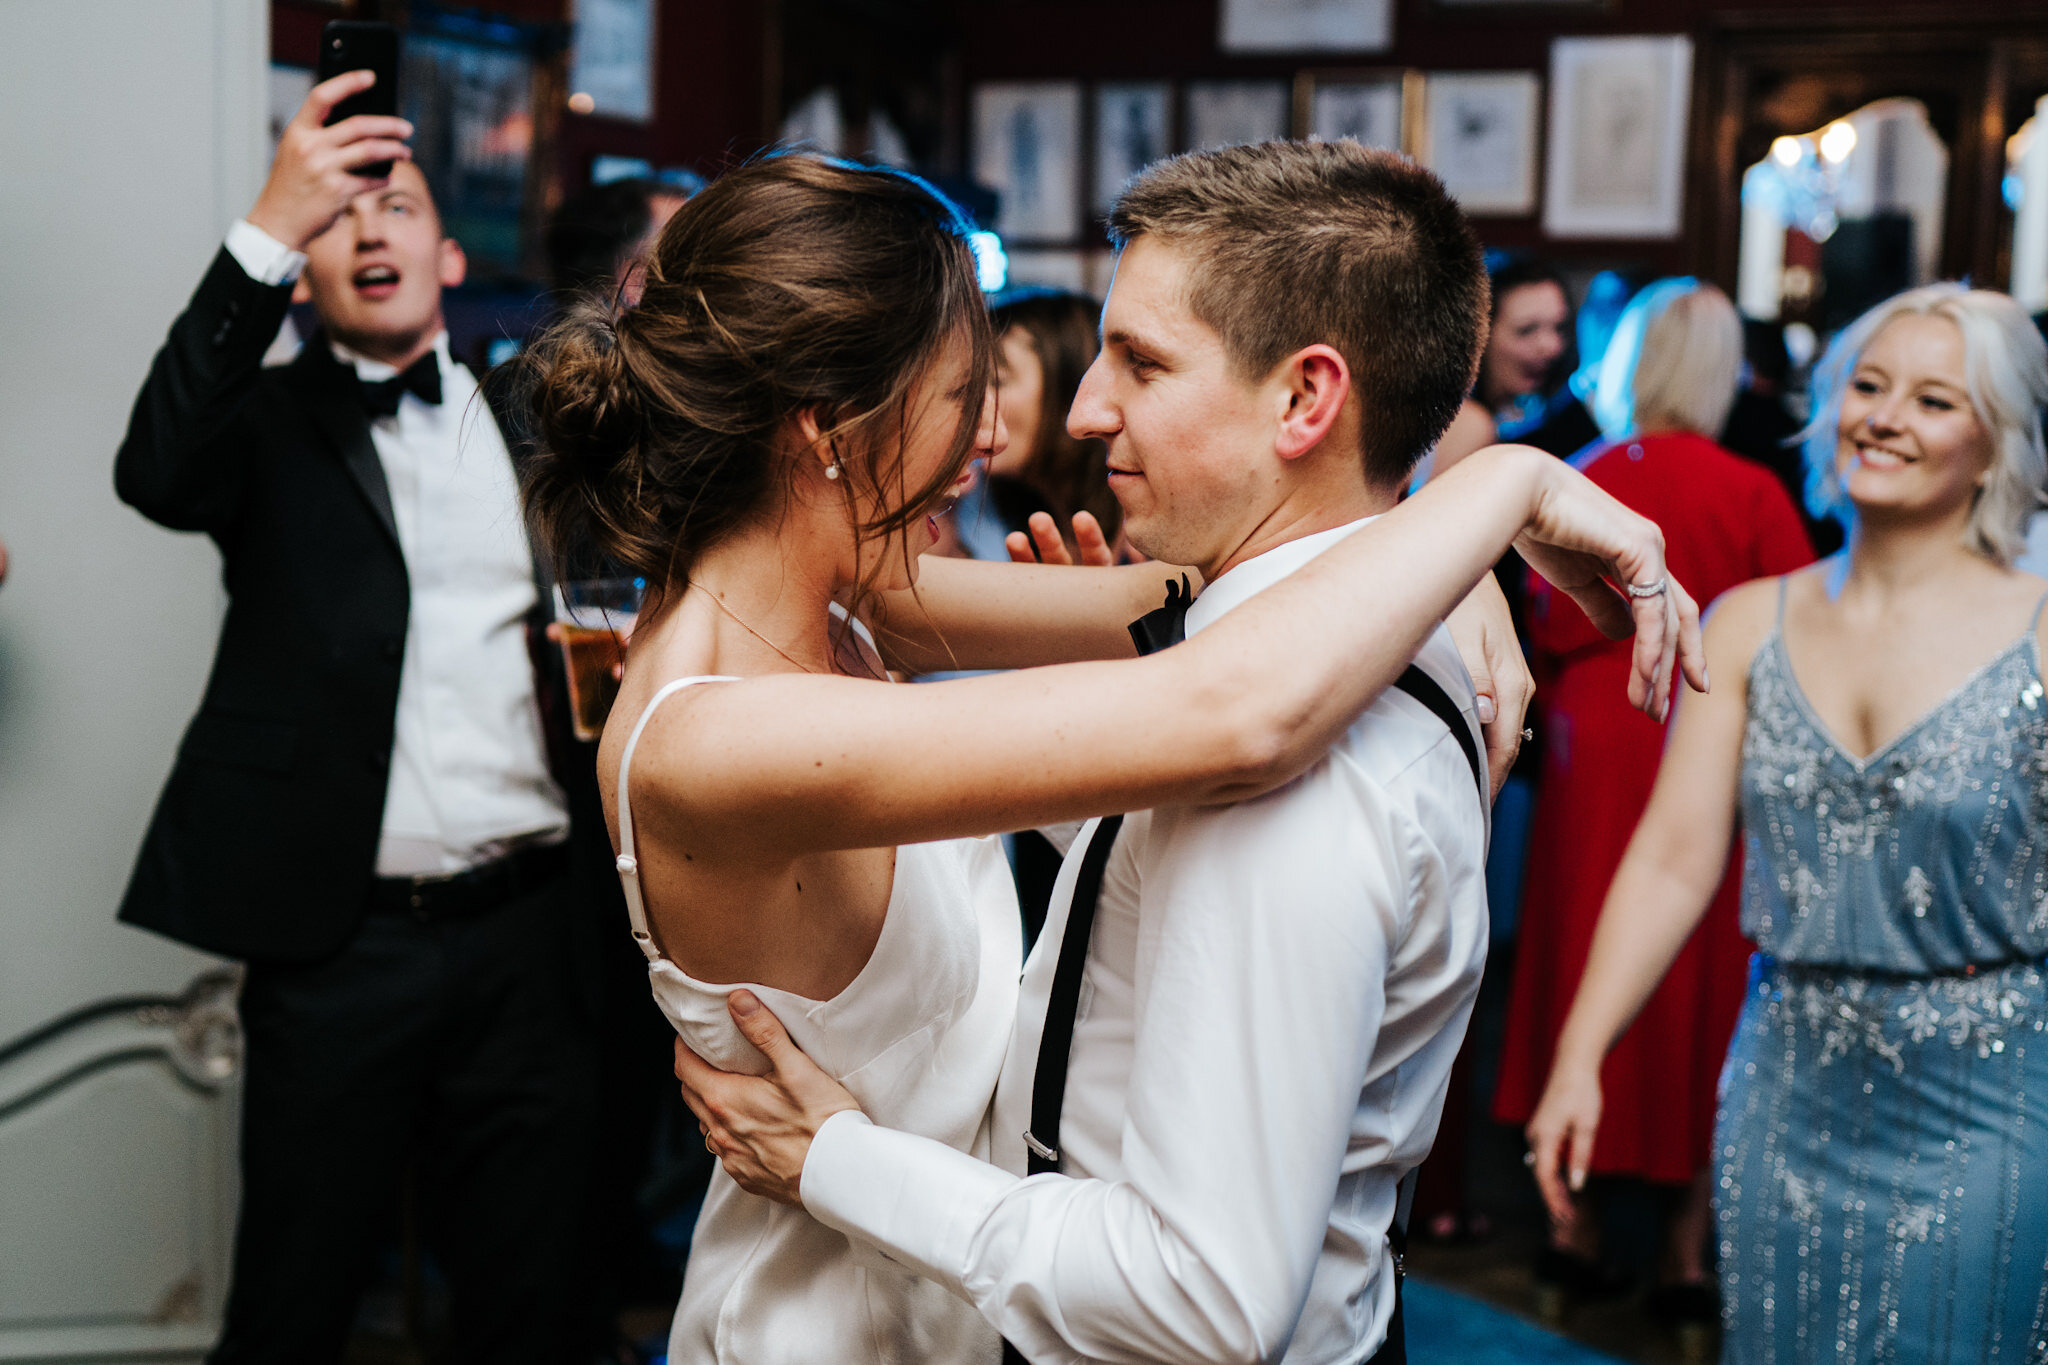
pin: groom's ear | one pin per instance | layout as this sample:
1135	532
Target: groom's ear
1315	385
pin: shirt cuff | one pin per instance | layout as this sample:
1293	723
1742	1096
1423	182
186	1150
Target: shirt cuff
267	260
918	1201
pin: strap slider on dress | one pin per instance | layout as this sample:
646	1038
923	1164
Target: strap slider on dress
629	865
1043	1152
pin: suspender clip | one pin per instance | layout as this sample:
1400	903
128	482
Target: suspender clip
1043	1152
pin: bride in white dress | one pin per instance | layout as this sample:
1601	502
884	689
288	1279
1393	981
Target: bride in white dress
763	438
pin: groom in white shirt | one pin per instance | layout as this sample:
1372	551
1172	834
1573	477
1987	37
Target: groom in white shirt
1271	993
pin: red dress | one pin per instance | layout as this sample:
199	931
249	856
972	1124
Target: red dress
1725	522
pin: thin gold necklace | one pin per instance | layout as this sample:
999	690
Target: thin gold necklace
720	604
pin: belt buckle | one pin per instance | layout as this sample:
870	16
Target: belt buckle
424	885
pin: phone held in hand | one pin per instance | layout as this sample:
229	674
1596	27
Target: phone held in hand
354	45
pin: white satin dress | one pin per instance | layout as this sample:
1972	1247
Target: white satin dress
918	1037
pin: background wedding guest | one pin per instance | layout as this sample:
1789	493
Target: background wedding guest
1875	726
1046	340
1567	426
597	238
1665	385
363	809
1525	341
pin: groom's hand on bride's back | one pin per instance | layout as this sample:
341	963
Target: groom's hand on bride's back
760	1127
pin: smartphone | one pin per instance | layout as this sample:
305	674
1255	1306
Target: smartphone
353	45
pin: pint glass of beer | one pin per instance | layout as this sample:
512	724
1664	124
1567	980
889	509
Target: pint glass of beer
594	617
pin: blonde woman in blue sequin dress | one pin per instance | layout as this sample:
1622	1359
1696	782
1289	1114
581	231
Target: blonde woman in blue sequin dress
1882	1147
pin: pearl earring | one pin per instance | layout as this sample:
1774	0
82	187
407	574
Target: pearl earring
832	471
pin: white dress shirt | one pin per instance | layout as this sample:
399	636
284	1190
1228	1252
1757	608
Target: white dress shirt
1274	994
469	774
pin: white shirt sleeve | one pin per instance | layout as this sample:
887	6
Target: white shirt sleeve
1265	941
267	260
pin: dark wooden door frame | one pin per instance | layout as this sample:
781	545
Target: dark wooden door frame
1766	73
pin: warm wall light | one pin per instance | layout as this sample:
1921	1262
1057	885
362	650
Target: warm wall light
1785	151
1837	140
581	103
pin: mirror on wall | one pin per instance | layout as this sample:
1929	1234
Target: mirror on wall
2025	192
1838	218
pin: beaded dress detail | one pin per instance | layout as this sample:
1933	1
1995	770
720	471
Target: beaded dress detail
1883	1135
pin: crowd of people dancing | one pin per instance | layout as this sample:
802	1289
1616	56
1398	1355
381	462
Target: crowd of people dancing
1099	996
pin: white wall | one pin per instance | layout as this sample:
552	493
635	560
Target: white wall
131	134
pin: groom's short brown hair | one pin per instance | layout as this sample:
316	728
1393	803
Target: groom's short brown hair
1294	243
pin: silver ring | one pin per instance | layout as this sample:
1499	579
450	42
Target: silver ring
1529	1160
1641	590
1527	734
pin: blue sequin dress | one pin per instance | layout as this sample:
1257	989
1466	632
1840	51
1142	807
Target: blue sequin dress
1883	1134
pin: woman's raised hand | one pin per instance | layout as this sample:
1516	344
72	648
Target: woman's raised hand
1592	547
1044	546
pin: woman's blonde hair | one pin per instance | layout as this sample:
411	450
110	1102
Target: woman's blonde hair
2005	366
1673	363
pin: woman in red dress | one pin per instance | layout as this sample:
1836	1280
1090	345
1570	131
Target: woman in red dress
1669	376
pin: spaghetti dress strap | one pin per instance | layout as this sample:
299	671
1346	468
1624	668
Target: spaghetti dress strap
629	865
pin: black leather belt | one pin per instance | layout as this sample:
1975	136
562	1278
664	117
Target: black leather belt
472	892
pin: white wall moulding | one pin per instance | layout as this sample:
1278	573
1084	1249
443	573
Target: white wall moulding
133	1099
132	132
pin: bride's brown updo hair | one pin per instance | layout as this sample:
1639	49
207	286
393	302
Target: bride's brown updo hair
794	283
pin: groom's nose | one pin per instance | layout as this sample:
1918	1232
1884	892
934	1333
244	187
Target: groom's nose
1092	413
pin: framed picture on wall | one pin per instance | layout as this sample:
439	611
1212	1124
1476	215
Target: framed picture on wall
1479	136
612	70
1373	108
1478	7
1133	129
471	106
1227	113
1306	25
1027	148
1615	163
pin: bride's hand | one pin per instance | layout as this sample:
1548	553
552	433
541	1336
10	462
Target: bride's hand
760	1127
1589	545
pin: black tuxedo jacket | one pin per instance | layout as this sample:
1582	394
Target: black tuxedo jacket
264	842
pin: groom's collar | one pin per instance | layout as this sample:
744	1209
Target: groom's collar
1247	580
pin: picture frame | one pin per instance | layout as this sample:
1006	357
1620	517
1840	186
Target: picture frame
478	140
1375	107
1479	136
1132	128
612	61
1616	151
1521	8
1231	112
1272	26
1027	148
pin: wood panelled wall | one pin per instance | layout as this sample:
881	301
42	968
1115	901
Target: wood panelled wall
728	68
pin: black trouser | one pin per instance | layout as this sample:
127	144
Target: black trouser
458	1043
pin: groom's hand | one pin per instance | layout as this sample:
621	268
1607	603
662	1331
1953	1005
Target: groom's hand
1484	631
760	1127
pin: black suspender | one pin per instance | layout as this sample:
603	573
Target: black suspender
1049	1079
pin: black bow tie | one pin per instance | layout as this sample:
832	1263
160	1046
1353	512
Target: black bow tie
422	379
1155	630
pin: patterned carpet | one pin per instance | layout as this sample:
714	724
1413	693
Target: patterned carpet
1446	1326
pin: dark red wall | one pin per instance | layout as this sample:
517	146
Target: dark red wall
711	62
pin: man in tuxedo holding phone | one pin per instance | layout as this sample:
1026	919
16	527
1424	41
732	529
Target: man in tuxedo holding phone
364	808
